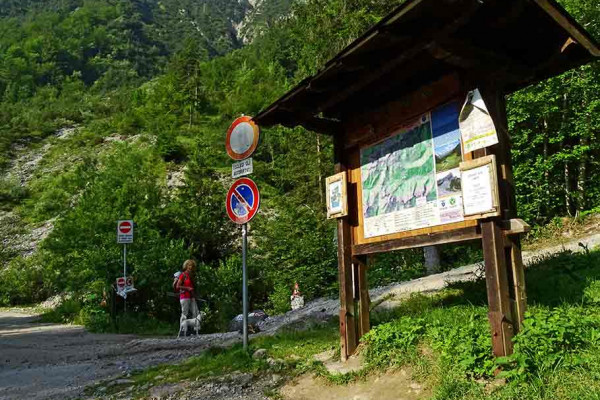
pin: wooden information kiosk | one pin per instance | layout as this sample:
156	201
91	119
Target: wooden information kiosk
393	101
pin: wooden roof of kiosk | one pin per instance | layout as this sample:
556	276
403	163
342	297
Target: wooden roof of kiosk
516	42
425	54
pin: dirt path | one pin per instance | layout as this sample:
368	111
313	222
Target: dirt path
45	361
393	385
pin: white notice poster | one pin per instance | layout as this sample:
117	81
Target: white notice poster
477	190
476	126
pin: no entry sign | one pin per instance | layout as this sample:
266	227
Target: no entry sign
242	138
121	284
125	231
243	200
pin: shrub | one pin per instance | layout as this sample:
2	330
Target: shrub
280	300
548	339
393	342
591	294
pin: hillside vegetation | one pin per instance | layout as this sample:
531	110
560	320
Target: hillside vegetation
150	87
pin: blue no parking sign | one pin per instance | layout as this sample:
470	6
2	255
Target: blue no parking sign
243	200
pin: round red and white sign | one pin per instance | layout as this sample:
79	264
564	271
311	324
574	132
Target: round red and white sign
243	200
242	138
125	227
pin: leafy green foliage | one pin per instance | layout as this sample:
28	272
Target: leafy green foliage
555	353
551	338
393	341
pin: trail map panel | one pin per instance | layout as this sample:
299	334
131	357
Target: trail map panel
411	180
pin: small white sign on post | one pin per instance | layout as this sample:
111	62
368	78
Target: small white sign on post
242	168
125	231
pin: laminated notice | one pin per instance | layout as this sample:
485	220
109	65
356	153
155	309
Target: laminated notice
476	125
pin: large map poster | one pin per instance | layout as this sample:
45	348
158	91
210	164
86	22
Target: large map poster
411	180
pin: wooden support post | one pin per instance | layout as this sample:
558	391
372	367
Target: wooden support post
500	315
348	339
518	274
505	277
364	324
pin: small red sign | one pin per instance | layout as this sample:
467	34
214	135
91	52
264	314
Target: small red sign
125	227
243	200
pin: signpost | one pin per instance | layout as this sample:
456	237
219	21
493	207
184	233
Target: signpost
243	198
124	236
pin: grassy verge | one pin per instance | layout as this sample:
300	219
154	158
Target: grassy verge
444	338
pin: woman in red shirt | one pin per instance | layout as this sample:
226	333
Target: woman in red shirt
185	285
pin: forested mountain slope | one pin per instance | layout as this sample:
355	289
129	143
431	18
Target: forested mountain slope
147	90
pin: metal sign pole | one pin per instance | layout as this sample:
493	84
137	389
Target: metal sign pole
125	273
245	286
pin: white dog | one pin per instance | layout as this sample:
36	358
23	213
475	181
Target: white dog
193	323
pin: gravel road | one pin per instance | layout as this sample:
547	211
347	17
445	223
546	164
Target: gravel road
52	361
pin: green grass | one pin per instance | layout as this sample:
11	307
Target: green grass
557	355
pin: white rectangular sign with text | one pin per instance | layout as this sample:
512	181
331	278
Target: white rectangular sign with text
242	168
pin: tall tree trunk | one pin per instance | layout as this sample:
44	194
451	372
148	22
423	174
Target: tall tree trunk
546	166
432	259
567	172
581	197
320	177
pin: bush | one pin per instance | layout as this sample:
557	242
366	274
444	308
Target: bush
591	294
280	300
548	339
22	282
394	342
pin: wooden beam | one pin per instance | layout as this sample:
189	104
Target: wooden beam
460	235
505	279
464	55
381	52
509	228
362	290
348	339
500	315
568	24
515	226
